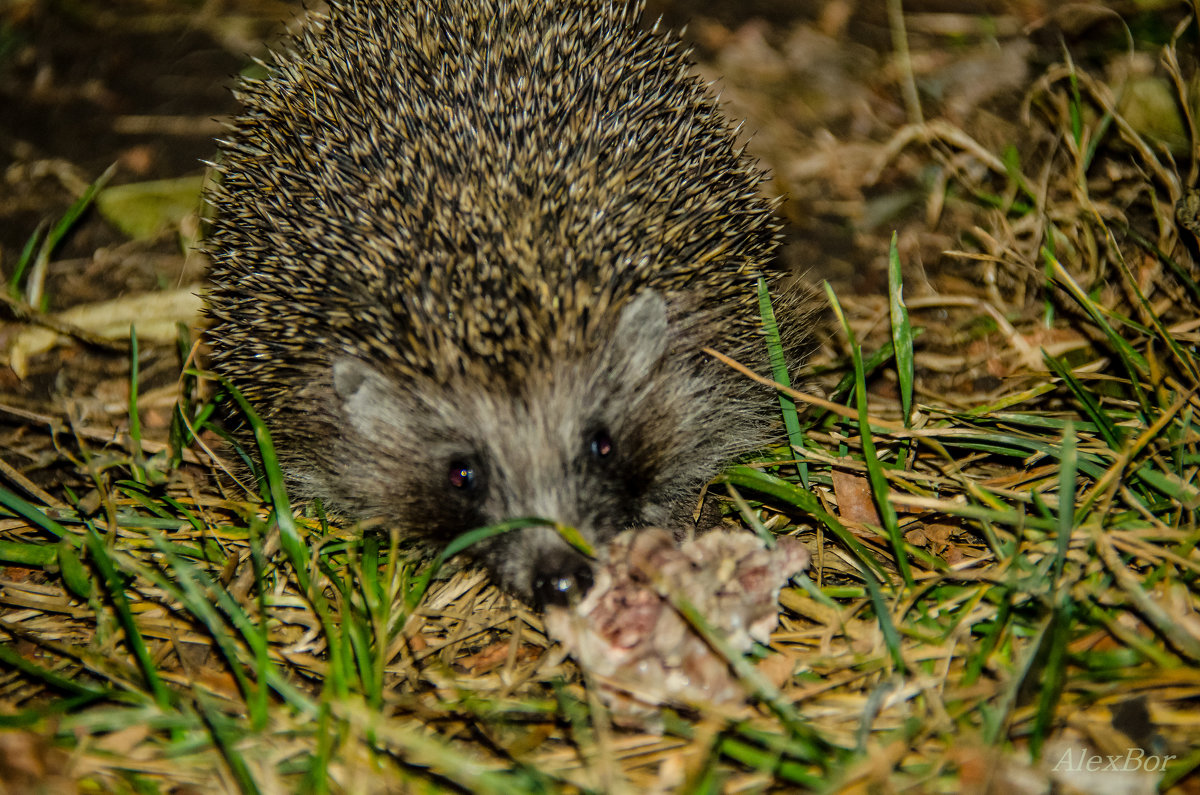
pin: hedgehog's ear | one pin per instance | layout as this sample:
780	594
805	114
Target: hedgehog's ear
366	399
639	341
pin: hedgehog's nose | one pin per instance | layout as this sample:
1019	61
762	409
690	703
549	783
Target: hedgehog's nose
562	581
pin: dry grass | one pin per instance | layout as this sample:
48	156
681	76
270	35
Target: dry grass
999	487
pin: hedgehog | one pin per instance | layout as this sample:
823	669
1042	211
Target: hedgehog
466	261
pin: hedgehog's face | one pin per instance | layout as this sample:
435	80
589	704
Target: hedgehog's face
537	456
586	443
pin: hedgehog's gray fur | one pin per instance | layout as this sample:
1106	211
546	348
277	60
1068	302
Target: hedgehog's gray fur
488	231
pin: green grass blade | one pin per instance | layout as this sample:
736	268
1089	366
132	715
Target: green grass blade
764	483
1053	674
756	758
1181	356
879	486
1066	502
1134	362
340	655
10	657
25	259
872	363
460	543
74	574
133	637
749	675
1181	273
790	494
902	341
204	599
22	508
14	553
44	713
289	535
56	233
135	419
316	778
225	735
978	659
779	371
1088	400
996	721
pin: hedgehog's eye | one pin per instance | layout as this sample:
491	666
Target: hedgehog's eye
462	475
601	445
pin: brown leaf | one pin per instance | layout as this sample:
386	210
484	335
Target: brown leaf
777	668
854	499
487	658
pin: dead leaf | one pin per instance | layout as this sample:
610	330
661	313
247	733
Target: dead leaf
154	314
854	498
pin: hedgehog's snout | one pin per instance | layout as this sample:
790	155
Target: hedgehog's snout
562	577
